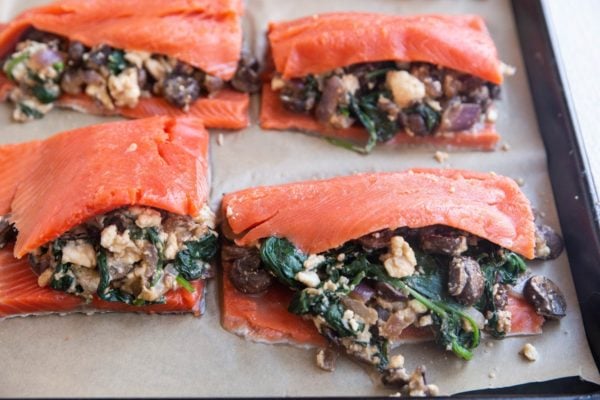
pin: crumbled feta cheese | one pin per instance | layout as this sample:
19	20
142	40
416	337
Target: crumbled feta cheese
124	88
137	58
207	218
396	361
401	260
329	285
309	278
350	83
425	320
507	69
79	252
529	352
491	115
406	89
120	244
313	261
277	83
158	68
504	321
171	246
417	306
441	156
148	217
45	277
99	91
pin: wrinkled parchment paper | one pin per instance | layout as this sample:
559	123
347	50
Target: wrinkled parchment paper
178	355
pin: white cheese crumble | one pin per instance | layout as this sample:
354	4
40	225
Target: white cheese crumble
529	352
406	89
124	88
79	252
309	278
401	260
313	261
504	321
120	244
147	217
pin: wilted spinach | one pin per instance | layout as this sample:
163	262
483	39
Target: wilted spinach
191	262
283	260
502	268
116	62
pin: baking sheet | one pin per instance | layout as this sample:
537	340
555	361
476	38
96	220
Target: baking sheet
140	355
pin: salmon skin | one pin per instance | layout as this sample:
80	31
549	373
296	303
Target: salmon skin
208	36
365	78
54	185
322	218
485	204
322	43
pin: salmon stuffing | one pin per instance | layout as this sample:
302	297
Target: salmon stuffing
363	295
45	66
133	255
417	98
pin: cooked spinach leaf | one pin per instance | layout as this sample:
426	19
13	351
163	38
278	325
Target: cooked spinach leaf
283	260
503	268
45	94
29	111
192	262
63	278
116	62
184	283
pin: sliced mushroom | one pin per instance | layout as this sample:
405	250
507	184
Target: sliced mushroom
246	78
181	90
443	241
335	94
248	276
465	280
75	53
548	244
326	359
376	240
368	314
231	252
8	233
546	297
298	95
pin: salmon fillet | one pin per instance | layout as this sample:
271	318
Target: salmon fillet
204	33
207	35
314	215
273	115
484	204
51	186
20	294
321	43
156	162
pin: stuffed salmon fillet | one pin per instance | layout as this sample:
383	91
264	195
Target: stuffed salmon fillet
111	217
363	79
113	57
362	263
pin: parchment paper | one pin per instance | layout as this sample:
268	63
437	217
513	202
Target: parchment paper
178	355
